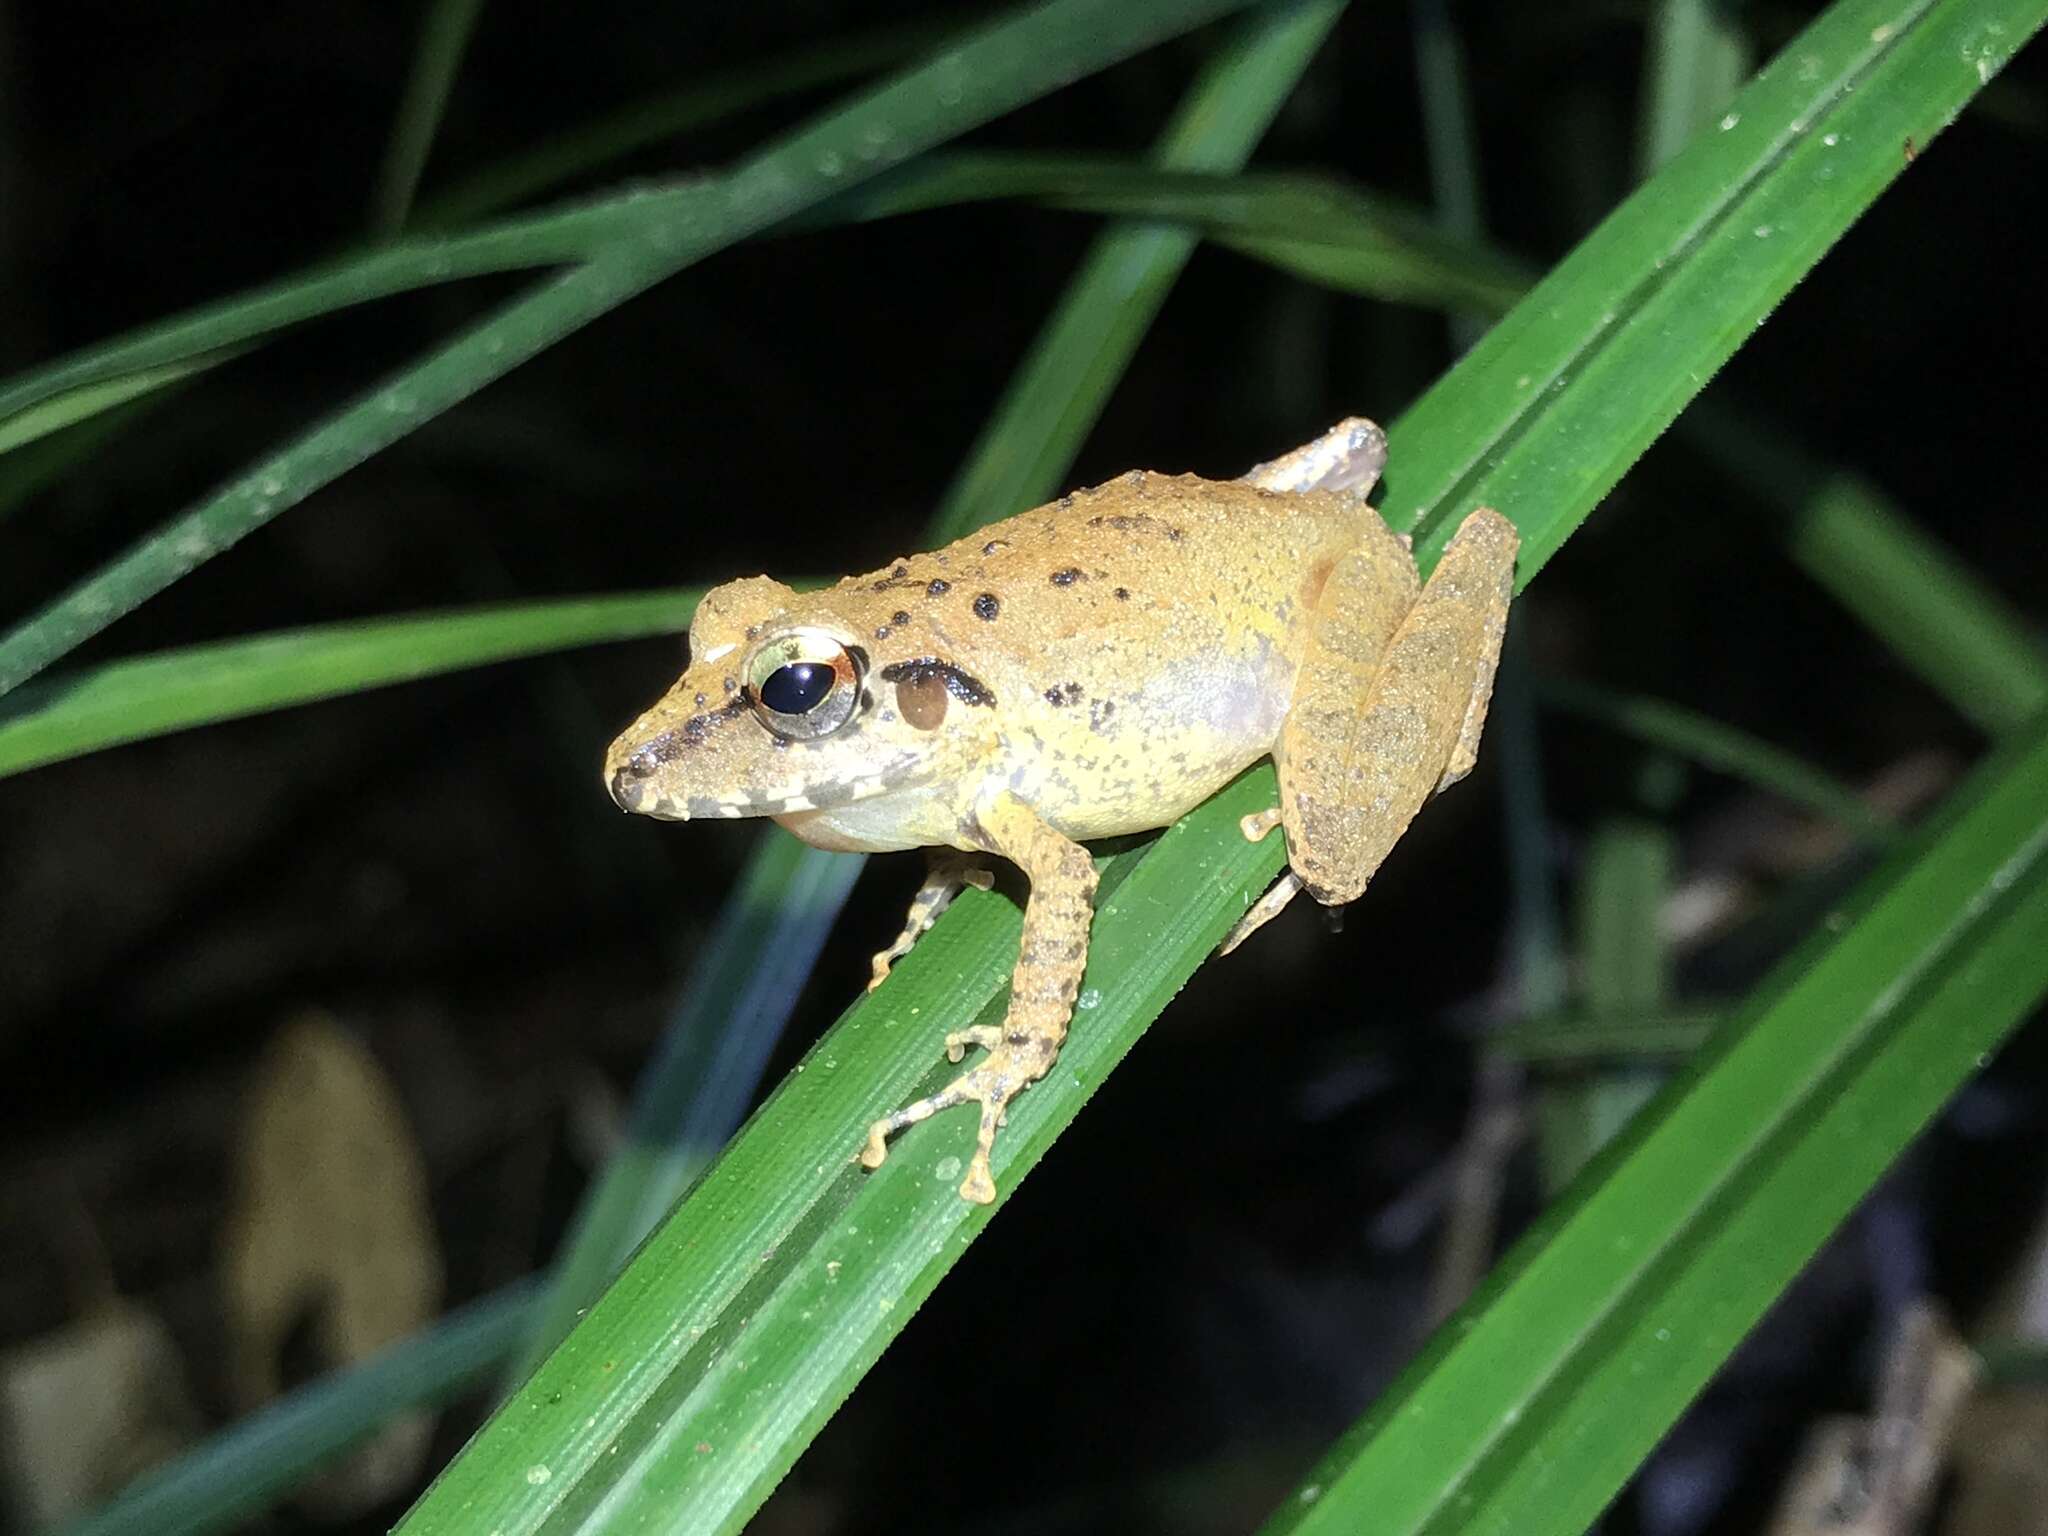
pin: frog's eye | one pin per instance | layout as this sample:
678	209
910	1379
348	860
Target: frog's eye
804	684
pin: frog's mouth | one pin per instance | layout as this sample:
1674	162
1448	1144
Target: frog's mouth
636	785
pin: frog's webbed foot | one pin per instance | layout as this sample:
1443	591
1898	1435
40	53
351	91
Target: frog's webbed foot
1014	1062
946	873
1050	960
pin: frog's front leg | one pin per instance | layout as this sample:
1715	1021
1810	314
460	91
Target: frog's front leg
1050	959
947	873
1384	715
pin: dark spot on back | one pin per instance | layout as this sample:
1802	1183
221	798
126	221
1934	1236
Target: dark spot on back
899	577
899	618
1134	522
1067	577
987	606
1123	594
939	587
993	545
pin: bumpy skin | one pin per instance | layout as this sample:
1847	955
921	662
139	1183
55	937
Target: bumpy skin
1097	666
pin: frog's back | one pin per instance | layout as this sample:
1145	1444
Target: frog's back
1146	543
1143	636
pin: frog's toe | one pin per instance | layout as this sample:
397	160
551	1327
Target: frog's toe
978	1186
876	1147
1265	909
1257	824
876	1150
1014	1061
987	1036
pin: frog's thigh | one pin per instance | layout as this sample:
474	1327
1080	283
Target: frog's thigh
947	872
1363	747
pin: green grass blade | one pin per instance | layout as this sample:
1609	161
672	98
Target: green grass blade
672	114
79	404
1937	614
244	1470
1535	1405
1000	67
1447	121
1714	744
1656	1038
1624	969
1316	227
198	685
1629	872
26	474
443	40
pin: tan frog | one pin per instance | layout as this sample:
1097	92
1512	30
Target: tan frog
1097	666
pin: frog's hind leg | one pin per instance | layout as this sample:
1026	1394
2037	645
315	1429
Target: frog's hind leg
947	873
1386	712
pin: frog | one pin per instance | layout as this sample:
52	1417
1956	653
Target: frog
1096	667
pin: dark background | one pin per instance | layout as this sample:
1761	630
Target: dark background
1224	1259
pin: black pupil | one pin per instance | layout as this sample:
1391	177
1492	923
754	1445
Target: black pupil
797	688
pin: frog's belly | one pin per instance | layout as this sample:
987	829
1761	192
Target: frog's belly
885	824
1127	763
1104	762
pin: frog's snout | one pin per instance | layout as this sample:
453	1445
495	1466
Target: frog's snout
629	780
